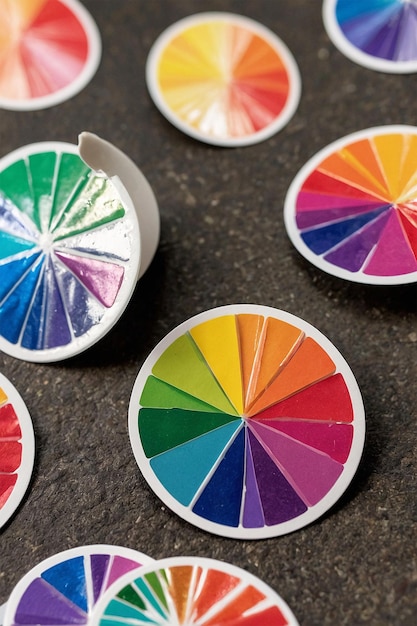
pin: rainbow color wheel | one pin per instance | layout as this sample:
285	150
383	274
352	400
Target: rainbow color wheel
65	588
352	209
378	34
247	422
69	253
17	449
192	591
49	51
223	79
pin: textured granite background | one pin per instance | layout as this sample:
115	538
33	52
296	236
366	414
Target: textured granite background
223	241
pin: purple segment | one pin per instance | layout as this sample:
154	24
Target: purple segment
393	255
361	29
307	219
384	43
352	254
252	511
43	604
407	41
99	565
280	502
311	472
120	566
57	332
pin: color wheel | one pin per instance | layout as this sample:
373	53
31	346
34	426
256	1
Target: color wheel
17	449
69	253
378	34
64	589
352	209
223	79
247	422
49	51
191	591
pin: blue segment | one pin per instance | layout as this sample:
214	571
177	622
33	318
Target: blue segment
12	272
14	308
320	240
68	578
183	469
222	498
11	245
122	612
350	9
362	30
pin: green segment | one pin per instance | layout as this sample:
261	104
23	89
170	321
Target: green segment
163	429
131	596
42	171
158	394
72	177
96	205
15	185
182	365
154	583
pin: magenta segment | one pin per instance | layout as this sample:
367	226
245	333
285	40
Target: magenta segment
102	279
311	473
280	502
120	566
252	509
310	201
393	255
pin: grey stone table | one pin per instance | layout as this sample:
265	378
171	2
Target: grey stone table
223	241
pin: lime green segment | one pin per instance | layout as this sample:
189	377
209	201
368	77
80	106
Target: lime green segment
71	177
163	429
182	365
161	395
155	584
16	186
131	596
219	344
96	205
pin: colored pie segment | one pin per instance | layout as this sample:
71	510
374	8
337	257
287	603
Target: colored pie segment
49	50
245	422
68	253
380	34
65	588
187	591
16	449
352	210
223	79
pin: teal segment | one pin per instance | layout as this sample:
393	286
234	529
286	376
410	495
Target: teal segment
183	469
11	245
144	590
118	609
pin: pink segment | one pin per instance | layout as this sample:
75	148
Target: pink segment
393	255
311	473
320	201
120	566
101	278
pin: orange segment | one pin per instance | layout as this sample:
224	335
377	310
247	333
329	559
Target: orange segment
362	155
309	364
244	601
3	396
179	589
250	332
344	167
217	339
279	340
216	586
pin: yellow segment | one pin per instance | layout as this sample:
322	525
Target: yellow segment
3	396
408	181
218	341
390	152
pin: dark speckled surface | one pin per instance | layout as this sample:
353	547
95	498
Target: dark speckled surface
223	241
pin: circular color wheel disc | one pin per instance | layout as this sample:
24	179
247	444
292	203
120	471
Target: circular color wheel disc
247	422
352	209
50	50
192	590
17	449
69	253
64	588
378	34
223	79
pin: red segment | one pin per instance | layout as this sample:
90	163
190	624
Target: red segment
408	221
334	440
247	599
216	586
9	423
7	482
10	456
328	400
271	616
318	182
